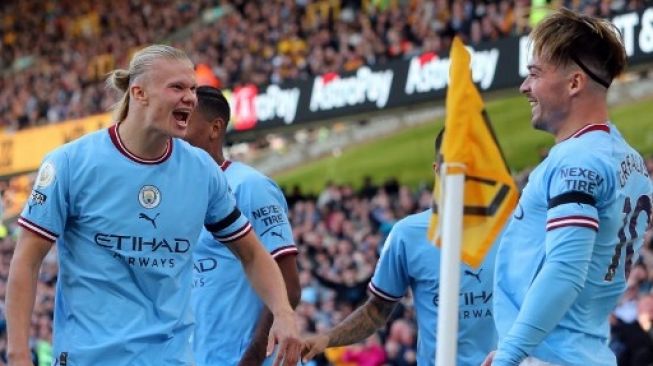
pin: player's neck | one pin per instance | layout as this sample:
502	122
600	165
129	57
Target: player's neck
142	142
216	150
583	115
219	158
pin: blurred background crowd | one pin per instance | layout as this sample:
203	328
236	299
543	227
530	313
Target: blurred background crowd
55	55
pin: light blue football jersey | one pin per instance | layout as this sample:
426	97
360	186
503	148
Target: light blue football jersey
125	229
408	259
563	260
226	307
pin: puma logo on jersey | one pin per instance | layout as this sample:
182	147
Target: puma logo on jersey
519	213
475	275
274	233
150	219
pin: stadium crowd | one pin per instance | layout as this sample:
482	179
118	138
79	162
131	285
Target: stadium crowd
340	233
55	54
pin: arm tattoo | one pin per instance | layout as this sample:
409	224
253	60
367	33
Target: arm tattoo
362	322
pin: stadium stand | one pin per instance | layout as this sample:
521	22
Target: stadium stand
55	57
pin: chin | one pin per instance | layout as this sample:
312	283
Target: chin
538	123
542	125
178	130
179	133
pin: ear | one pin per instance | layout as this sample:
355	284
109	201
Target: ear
218	128
577	82
138	94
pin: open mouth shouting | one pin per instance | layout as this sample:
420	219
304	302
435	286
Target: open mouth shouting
182	116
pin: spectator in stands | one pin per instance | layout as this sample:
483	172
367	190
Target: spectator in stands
241	42
632	341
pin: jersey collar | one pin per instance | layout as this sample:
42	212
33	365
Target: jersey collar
591	127
117	142
225	164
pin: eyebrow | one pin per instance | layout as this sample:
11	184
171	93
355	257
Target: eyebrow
182	83
533	67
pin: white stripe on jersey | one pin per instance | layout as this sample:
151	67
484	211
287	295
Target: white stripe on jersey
37	229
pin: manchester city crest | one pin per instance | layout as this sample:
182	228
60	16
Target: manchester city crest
149	196
46	175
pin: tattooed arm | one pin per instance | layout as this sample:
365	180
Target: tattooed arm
356	327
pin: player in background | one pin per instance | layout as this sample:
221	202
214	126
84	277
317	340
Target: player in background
222	298
564	258
409	259
125	206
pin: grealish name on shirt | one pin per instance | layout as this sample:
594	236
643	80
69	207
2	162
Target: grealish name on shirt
631	164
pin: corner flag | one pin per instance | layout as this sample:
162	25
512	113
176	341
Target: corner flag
470	147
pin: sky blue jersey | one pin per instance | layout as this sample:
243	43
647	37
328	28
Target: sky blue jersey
125	228
226	307
564	258
408	259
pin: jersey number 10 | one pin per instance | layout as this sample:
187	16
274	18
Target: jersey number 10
630	219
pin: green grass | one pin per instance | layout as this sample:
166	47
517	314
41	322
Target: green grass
408	154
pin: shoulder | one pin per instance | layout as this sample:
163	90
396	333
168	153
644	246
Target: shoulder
412	226
408	241
418	221
245	171
189	152
582	164
582	156
245	176
94	140
593	146
80	147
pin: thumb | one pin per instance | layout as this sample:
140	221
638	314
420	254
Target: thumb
271	342
310	351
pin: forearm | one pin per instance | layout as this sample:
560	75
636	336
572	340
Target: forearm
21	292
551	295
266	279
360	324
256	349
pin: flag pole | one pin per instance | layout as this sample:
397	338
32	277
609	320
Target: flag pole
452	228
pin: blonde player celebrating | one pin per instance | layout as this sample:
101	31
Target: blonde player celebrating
125	206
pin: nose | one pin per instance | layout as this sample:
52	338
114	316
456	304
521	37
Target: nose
190	97
525	86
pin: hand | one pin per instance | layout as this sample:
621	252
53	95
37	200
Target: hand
488	359
284	332
313	346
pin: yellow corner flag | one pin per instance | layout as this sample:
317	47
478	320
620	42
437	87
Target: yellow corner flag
470	147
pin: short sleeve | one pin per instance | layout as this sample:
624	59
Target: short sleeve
262	202
223	219
46	210
576	187
390	278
